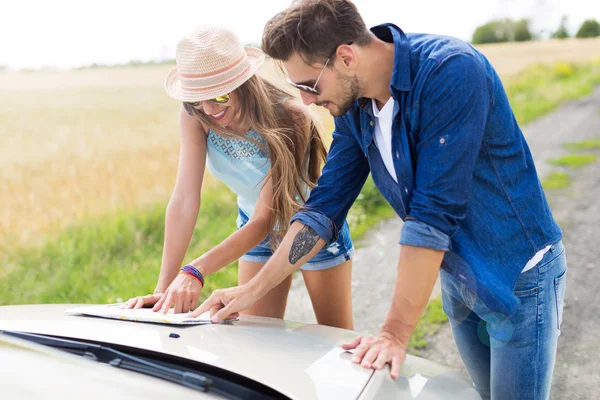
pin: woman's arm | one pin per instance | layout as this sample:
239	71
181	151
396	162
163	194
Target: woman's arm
184	292
183	207
244	239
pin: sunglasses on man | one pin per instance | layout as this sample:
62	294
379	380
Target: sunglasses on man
306	88
313	89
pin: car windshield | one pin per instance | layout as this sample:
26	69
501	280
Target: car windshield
191	374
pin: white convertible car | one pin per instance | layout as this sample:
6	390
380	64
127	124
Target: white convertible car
46	354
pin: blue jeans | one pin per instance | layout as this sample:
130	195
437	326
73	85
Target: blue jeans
511	357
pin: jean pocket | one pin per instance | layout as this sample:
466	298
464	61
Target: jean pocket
526	292
560	284
527	284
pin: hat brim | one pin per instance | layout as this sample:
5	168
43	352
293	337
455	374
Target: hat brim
173	87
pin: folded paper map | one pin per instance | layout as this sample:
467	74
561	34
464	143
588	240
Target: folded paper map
115	311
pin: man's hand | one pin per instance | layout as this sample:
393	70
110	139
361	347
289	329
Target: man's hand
418	268
227	303
375	351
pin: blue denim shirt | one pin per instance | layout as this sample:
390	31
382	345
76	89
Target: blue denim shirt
466	185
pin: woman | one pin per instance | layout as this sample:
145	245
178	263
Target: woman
263	144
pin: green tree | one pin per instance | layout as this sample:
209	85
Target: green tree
520	30
491	32
589	28
562	32
499	31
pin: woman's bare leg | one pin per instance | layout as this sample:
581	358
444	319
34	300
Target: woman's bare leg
331	295
273	303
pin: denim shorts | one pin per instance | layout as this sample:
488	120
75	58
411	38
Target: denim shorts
333	255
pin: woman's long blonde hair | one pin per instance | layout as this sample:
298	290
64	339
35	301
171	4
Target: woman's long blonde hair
294	145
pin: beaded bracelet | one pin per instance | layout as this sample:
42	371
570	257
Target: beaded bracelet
193	272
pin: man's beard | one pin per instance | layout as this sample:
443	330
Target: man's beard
349	94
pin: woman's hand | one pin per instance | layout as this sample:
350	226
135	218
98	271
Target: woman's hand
183	294
143	301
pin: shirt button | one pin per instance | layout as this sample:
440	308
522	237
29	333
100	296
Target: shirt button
405	190
371	123
397	154
442	140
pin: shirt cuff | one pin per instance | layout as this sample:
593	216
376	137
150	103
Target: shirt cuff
418	234
319	222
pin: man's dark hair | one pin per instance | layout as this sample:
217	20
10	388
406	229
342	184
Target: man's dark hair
314	29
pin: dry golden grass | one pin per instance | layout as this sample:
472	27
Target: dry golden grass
83	143
511	58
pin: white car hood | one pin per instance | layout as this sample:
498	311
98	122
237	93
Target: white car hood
301	361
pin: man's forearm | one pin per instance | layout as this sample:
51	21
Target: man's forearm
418	269
298	246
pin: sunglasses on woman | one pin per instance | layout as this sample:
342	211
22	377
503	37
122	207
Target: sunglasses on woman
223	99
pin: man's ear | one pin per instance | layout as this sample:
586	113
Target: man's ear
346	55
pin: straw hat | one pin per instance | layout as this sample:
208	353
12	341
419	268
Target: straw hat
211	62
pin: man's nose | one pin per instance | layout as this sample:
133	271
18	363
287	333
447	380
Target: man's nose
308	98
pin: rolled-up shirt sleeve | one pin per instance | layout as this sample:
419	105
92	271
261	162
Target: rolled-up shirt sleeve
343	177
454	108
320	223
416	233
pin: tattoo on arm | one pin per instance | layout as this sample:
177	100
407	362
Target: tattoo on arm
304	242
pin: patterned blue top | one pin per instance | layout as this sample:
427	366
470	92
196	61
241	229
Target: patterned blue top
240	164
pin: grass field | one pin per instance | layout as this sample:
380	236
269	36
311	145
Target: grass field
511	58
89	159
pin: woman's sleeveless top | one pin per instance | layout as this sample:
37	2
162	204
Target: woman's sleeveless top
240	164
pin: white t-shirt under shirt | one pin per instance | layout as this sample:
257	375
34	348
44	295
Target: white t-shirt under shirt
383	140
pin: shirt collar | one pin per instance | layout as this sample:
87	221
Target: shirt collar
401	74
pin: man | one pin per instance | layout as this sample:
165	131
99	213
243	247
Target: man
428	117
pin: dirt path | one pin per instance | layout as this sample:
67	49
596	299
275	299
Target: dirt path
577	209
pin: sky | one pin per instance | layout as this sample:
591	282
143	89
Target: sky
71	33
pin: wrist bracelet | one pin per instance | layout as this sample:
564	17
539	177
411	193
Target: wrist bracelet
193	272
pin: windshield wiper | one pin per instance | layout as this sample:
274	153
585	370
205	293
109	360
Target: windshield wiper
119	359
